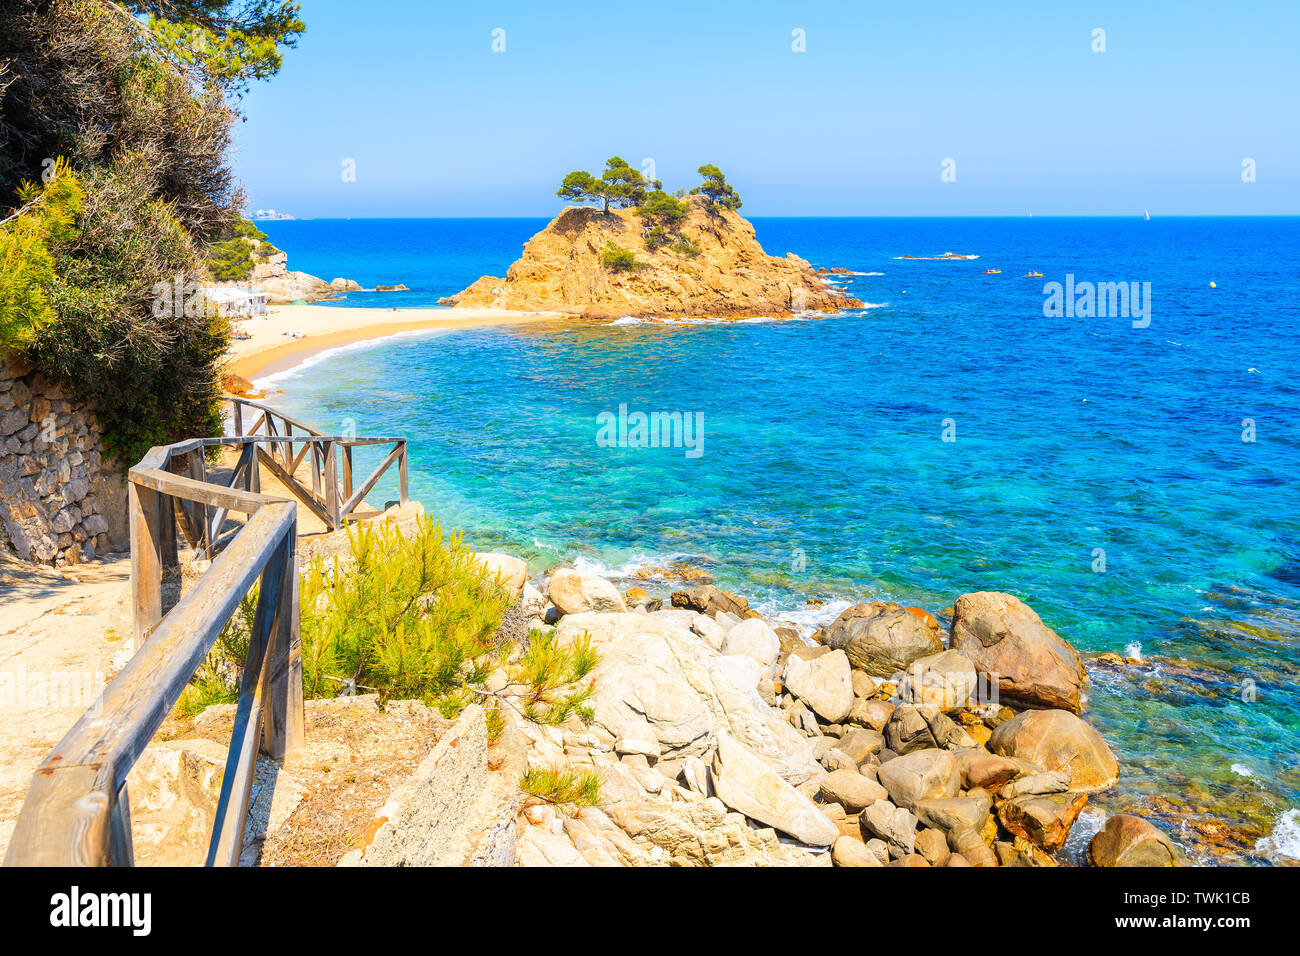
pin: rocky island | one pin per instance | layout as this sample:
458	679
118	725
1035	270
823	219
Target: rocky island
651	254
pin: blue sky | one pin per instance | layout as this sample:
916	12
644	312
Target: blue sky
858	124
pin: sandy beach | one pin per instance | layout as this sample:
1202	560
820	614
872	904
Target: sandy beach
289	334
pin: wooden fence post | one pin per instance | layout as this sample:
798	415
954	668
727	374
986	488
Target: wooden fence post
146	559
246	734
402	494
121	849
332	485
282	723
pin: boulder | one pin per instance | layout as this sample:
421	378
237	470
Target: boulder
894	825
753	638
701	625
1021	852
824	683
850	851
870	713
1042	819
1008	642
923	775
933	845
1058	740
511	571
971	846
706	833
858	744
864	685
851	790
955	813
711	600
575	592
945	680
1035	784
882	638
919	728
1127	840
979	768
748	785
696	774
663	680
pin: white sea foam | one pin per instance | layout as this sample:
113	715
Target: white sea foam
1284	841
804	619
1241	770
1088	825
1134	651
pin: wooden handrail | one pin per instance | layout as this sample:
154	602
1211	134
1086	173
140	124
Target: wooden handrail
77	809
332	500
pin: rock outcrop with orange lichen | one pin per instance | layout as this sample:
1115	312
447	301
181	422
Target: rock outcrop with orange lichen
721	271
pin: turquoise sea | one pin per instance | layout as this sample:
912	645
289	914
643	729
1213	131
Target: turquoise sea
1136	486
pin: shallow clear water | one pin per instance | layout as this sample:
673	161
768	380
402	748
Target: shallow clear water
824	472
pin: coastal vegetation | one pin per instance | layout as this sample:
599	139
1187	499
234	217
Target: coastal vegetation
115	122
619	186
716	189
622	187
411	616
617	259
233	259
570	785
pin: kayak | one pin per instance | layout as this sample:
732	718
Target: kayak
1033	275
992	272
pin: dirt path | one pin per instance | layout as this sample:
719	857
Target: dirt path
63	635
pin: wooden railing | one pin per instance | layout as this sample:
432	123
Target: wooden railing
77	809
331	498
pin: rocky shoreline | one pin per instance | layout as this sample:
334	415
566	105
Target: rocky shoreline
882	741
726	273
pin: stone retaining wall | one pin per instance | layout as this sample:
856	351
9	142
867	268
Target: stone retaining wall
60	503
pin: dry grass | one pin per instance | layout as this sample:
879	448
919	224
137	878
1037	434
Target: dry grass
355	756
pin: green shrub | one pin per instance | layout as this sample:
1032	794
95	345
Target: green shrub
125	335
232	259
27	265
549	678
571	785
662	208
685	246
410	617
407	617
618	259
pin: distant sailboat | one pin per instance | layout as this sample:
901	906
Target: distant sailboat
1146	214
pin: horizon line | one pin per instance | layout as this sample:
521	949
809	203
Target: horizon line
1192	215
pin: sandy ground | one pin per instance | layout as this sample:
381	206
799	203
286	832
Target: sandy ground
288	334
63	634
